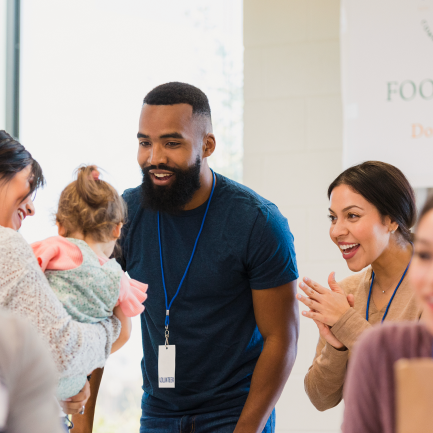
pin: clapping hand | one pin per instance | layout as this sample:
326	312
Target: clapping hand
326	306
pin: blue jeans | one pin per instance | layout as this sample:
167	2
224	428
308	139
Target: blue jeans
223	421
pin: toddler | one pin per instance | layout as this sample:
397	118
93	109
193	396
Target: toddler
77	263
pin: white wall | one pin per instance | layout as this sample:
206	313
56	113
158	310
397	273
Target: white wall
293	150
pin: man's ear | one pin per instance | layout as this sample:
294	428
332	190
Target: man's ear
209	144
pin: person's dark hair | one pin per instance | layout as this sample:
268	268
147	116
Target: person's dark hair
179	93
14	158
385	187
428	206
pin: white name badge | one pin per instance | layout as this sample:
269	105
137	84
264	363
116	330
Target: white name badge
166	366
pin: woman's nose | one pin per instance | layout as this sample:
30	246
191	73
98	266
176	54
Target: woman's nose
338	229
30	207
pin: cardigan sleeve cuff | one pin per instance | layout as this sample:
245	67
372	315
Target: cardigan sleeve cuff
334	356
349	327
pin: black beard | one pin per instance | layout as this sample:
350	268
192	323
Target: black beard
171	198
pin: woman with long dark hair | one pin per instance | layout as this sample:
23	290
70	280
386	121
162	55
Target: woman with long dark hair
372	209
77	348
375	374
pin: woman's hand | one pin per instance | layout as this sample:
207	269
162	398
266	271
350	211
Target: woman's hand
329	337
73	405
326	306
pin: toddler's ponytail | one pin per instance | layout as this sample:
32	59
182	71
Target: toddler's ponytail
91	206
89	187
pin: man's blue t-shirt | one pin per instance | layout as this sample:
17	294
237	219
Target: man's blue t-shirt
246	244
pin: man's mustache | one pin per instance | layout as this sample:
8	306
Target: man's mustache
165	167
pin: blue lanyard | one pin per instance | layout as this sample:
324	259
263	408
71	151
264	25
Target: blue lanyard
167	305
392	297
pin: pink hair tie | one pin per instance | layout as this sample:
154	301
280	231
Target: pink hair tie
95	174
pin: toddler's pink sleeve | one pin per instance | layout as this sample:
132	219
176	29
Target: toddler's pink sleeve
57	254
132	295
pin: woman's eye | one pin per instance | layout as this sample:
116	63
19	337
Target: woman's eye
144	143
422	255
352	216
332	218
172	144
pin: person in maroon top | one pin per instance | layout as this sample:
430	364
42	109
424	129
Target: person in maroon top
370	387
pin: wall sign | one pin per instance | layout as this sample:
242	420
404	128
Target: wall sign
387	84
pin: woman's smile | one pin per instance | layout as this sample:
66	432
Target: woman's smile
348	249
19	217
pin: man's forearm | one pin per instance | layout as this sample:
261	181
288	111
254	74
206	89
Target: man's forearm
270	375
84	423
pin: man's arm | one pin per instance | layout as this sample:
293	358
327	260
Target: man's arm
277	317
84	423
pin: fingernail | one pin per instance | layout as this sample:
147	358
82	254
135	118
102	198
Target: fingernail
304	313
68	399
306	279
302	285
299	297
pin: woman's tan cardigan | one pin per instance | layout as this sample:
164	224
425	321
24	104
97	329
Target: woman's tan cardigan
325	378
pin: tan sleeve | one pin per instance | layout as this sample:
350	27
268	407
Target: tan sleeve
325	378
349	328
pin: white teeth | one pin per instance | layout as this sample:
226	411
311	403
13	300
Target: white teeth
162	174
21	214
345	247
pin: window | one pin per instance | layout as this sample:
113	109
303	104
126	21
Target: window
85	67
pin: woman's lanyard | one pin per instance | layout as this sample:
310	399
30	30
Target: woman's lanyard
168	305
392	297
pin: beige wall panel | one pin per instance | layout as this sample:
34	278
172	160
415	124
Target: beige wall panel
323	25
253	81
279	126
303	69
265	27
293	150
300	178
324	123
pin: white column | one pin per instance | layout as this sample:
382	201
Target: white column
293	151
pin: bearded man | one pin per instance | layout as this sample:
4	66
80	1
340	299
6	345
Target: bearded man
221	322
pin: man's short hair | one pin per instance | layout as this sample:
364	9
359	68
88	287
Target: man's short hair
179	93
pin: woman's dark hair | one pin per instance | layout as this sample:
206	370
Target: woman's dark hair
14	158
385	187
428	206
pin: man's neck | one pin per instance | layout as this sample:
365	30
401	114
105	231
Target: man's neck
203	193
